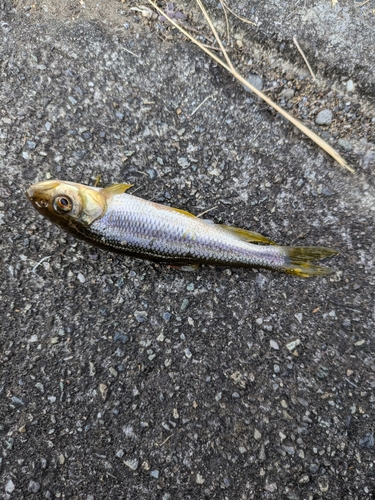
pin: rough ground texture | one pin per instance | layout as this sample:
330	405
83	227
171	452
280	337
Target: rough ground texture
122	379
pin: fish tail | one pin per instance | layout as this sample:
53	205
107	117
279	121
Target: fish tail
298	261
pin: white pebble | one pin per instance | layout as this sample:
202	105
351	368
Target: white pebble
349	86
132	464
299	317
199	479
274	344
292	345
81	278
9	487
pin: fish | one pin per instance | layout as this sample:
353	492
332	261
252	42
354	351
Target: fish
114	220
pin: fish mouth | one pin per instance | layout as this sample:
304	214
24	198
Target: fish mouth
39	193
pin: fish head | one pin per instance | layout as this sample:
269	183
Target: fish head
67	204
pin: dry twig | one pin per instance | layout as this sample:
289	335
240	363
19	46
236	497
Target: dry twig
243	19
304	58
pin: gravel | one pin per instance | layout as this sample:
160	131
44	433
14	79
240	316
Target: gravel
106	381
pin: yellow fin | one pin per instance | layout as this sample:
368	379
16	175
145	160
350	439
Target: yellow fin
249	236
188	214
110	191
298	261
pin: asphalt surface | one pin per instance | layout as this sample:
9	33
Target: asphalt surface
123	379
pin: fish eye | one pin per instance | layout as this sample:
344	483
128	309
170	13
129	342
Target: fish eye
62	204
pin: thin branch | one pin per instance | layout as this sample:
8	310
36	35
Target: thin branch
213	29
206	211
201	104
236	15
226	21
304	58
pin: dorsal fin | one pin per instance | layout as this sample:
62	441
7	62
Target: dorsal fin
249	236
188	214
114	189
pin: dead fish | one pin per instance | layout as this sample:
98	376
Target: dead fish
114	220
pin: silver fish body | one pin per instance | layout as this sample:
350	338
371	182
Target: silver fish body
123	223
139	227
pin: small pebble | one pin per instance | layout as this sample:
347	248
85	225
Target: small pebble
272	487
167	316
48	126
9	487
199	479
324	117
367	441
298	316
119	453
274	344
18	401
120	338
81	278
254	80
184	304
31	144
289	449
154	473
346	145
119	115
292	345
103	389
190	287
349	86
132	464
183	162
187	353
140	316
287	94
34	486
257	434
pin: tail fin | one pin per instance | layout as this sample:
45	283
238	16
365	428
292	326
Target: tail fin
297	261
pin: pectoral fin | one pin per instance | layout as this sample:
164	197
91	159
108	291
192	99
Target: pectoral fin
249	236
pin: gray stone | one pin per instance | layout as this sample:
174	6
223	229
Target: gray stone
9	486
367	441
346	145
140	316
369	160
254	80
120	338
287	94
132	463
324	117
34	486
